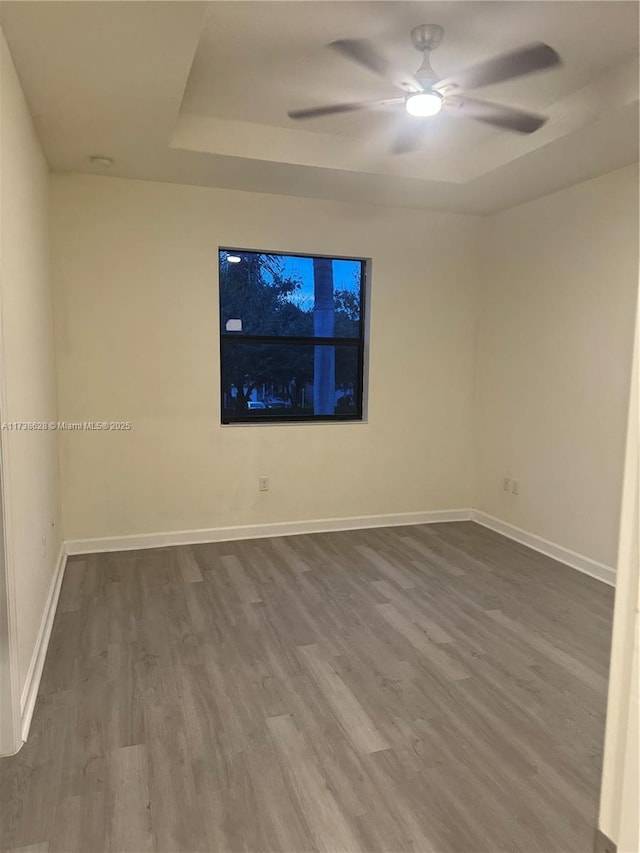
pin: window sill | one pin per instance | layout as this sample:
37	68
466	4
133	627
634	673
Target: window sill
294	424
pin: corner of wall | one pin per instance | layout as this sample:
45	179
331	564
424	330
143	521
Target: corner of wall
482	229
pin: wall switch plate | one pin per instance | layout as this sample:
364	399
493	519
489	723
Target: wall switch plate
506	483
515	487
263	484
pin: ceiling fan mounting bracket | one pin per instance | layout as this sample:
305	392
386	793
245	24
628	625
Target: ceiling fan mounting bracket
426	37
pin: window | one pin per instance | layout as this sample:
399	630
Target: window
291	337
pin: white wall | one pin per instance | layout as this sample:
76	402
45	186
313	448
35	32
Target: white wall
560	277
27	354
135	267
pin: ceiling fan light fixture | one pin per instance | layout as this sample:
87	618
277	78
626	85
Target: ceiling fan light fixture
423	104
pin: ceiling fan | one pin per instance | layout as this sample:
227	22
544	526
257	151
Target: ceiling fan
425	94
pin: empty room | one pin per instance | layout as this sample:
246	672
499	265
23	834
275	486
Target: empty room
319	446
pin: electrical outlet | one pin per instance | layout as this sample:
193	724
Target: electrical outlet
515	487
263	484
506	483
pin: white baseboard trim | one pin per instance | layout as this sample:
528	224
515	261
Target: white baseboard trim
604	573
260	531
140	541
34	674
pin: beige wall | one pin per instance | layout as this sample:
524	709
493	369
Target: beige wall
560	277
135	267
28	392
619	817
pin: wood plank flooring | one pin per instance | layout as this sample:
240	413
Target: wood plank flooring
428	689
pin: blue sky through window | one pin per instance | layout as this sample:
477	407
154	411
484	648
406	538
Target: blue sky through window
346	276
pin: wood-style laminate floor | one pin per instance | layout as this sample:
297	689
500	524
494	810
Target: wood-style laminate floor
434	688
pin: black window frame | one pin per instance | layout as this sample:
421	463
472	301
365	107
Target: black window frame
357	343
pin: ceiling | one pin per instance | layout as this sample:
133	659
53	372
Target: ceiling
198	93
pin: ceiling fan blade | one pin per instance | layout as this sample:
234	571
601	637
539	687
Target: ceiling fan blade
533	57
364	53
332	109
507	118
